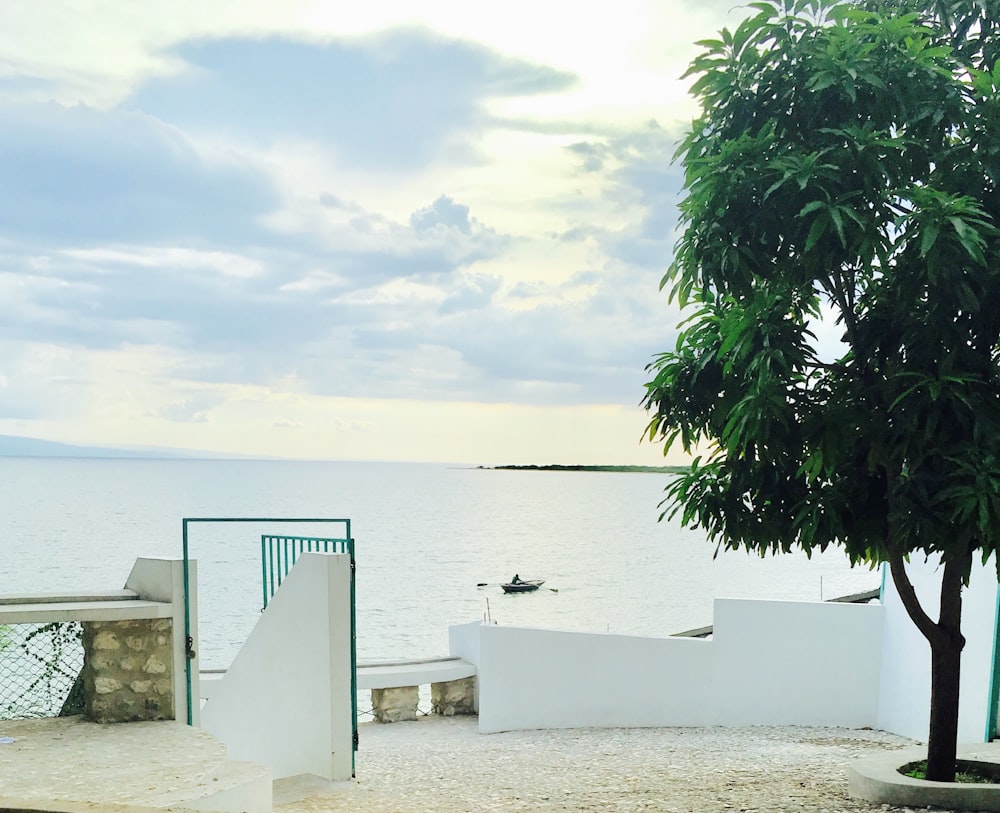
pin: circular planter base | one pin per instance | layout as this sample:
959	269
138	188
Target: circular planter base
877	779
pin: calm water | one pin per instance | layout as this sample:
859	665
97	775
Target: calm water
426	536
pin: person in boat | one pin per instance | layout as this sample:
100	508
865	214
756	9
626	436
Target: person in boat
516	579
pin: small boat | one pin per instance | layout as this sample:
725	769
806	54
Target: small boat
522	586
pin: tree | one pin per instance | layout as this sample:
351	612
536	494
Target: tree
844	167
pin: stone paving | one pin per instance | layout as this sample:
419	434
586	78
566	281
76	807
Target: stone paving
443	765
67	759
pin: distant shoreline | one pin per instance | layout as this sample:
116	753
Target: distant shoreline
640	469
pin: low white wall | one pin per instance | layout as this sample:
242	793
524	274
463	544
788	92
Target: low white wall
904	700
793	663
285	701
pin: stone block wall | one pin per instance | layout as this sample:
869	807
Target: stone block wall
395	705
454	697
448	698
128	670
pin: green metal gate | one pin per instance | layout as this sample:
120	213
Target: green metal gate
278	555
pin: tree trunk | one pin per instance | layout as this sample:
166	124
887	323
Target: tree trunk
946	667
946	662
946	641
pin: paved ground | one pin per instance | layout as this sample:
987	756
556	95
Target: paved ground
443	765
65	760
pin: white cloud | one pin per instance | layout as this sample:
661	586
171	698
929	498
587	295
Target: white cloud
375	230
224	263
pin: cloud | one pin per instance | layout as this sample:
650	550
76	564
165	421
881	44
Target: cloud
40	381
591	154
641	178
474	292
352	425
255	317
138	233
444	213
586	340
78	176
394	309
188	410
393	101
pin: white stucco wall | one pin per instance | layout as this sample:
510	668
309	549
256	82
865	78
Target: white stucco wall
535	678
463	641
285	701
796	663
904	697
770	663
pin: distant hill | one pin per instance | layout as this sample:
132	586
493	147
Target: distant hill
16	446
648	469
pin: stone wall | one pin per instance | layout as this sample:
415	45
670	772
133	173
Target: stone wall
454	697
448	698
128	670
395	704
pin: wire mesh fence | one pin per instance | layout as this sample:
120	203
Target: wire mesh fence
40	668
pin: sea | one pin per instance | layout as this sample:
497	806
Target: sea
427	537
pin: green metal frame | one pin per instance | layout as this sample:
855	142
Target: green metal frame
347	542
991	712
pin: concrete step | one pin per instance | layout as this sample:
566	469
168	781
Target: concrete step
230	786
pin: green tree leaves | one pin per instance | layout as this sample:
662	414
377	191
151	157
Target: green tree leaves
846	159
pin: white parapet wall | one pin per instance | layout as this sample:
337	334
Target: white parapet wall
285	701
770	663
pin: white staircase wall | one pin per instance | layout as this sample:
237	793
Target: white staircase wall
769	663
285	701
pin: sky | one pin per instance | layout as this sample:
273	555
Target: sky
425	231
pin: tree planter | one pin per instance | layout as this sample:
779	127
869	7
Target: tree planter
878	779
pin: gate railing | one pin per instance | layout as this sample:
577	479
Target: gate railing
278	555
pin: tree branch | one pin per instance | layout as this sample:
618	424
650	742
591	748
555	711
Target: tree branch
842	294
911	603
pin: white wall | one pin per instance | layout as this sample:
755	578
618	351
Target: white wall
285	701
769	663
904	698
463	641
535	678
796	663
161	579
